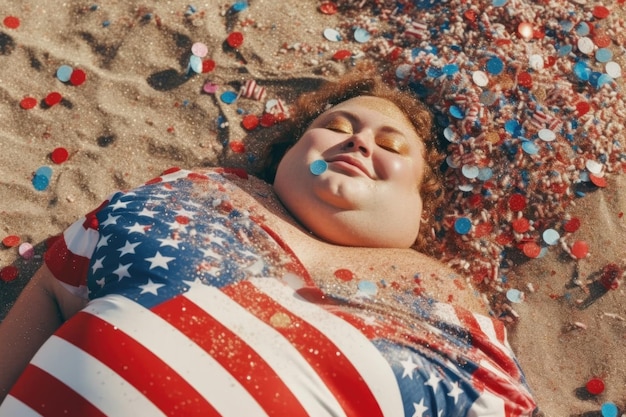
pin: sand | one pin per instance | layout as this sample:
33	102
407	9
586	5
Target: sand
140	111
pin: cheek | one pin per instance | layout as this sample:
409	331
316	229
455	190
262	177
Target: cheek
402	171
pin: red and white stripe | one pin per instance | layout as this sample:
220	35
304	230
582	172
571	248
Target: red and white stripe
250	89
417	30
118	358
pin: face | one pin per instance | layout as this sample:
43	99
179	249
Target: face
369	194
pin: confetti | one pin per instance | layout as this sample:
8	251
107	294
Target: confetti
12	22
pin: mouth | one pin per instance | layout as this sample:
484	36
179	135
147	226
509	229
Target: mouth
348	163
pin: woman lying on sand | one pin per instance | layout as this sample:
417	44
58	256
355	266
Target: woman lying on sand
211	292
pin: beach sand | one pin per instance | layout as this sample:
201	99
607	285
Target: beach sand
140	111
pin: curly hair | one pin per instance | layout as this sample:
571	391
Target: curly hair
309	106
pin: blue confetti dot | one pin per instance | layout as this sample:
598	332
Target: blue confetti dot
456	112
450	69
228	97
239	6
512	127
565	50
594	77
582	71
44	171
434	72
495	66
367	287
485	174
64	72
609	410
566	25
582	29
530	148
604	55
318	167
195	64
604	79
40	182
514	295
462	225
499	3
361	35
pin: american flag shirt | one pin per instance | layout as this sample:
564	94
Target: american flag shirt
198	309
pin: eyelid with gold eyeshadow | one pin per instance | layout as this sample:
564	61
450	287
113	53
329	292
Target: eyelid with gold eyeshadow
339	124
392	144
344	125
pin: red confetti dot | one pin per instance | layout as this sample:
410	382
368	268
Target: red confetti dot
549	61
78	77
600	12
539	33
598	181
11	241
595	386
344	274
328	7
602	40
237	147
250	122
235	39
59	155
28	103
470	15
524	79
268	120
517	202
580	249
521	225
572	225
12	22
483	229
9	273
53	98
504	239
342	54
208	65
582	107
531	249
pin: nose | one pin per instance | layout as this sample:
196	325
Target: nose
361	142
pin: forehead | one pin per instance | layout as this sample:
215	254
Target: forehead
380	105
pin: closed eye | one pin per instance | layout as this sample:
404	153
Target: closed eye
339	124
392	144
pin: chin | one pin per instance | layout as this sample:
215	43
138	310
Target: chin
347	238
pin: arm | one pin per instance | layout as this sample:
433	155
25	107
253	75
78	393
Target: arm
41	308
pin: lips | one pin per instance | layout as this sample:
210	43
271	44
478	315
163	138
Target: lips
350	163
